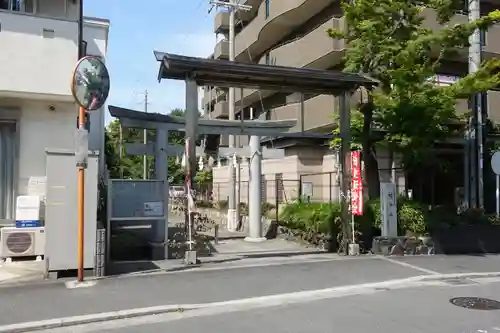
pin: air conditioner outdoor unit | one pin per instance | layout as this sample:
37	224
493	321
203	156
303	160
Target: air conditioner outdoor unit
22	242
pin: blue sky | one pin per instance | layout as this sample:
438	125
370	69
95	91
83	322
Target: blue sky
138	28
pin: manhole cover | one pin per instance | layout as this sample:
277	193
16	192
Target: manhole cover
459	282
476	303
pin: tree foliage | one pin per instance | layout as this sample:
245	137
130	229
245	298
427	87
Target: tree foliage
408	112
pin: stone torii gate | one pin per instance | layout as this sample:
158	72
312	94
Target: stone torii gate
204	72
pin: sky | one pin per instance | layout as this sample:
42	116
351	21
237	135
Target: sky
182	27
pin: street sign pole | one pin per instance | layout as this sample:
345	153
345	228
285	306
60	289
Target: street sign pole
90	89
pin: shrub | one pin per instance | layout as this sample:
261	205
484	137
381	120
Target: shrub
414	218
221	204
372	215
411	217
311	217
204	204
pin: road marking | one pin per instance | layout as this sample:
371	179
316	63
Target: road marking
76	284
241	304
405	264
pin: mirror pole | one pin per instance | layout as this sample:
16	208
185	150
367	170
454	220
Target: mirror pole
81	204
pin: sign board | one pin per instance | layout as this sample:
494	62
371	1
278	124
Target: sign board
37	186
153	209
356	184
307	190
389	209
495	162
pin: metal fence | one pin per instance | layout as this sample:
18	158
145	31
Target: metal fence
274	191
325	187
320	187
100	253
312	187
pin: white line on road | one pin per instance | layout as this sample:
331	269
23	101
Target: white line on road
238	304
405	264
76	284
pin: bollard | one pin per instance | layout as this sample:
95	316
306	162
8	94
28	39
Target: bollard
216	234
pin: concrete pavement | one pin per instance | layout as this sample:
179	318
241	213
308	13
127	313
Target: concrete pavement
21	271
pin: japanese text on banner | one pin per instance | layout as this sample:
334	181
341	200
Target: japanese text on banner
356	184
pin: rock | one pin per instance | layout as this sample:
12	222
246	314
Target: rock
422	250
399	249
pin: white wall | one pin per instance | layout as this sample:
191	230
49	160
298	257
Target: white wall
96	34
38	56
40	129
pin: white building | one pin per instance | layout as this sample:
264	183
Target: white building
38	53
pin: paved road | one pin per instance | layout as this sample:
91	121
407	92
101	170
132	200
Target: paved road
412	310
454	264
189	287
211	284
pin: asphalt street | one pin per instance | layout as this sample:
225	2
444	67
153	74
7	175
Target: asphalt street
223	283
413	310
55	300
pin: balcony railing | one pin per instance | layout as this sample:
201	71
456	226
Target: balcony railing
221	50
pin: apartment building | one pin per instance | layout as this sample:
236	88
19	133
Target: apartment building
293	33
38	53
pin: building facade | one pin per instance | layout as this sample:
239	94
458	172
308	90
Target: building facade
293	33
38	53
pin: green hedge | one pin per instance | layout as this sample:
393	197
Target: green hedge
414	218
319	218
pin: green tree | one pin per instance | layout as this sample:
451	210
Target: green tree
407	113
128	166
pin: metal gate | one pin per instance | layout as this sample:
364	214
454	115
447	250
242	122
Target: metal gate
138	208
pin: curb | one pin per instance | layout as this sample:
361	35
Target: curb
459	276
93	318
270	299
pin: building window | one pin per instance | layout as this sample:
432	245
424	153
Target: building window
26	6
7	165
268	8
444	80
268	114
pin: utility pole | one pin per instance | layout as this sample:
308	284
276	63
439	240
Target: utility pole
145	157
476	169
232	6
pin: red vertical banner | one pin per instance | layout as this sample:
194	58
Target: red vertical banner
356	184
